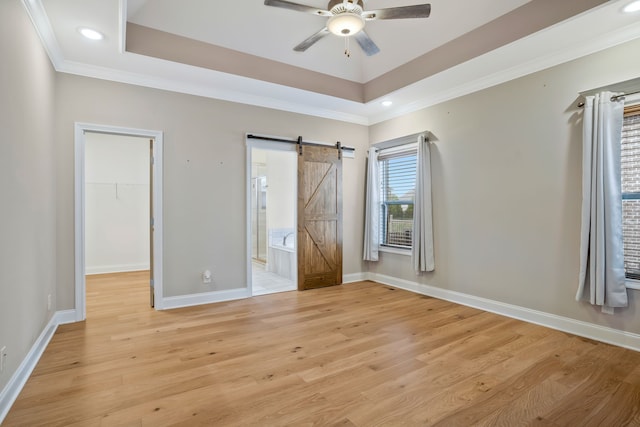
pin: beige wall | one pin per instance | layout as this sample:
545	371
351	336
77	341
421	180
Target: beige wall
507	188
204	175
27	186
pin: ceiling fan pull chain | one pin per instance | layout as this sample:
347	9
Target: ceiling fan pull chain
346	47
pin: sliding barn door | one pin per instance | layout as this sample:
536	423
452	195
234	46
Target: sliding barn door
319	217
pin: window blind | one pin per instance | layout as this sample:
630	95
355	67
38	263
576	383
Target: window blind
397	194
630	171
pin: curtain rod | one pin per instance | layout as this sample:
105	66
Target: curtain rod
399	148
300	141
403	140
613	98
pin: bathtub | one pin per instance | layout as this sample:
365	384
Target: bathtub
281	259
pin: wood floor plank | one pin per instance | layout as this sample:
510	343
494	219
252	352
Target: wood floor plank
528	407
363	354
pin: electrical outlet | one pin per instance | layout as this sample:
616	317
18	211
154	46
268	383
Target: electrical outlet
3	358
207	276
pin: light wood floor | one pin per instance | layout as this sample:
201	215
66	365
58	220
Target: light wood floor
361	354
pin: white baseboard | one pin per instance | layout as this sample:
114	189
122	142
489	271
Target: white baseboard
119	268
10	392
203	298
354	277
584	329
63	317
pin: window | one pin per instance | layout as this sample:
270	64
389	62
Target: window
397	192
630	166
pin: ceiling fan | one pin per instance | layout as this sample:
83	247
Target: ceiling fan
348	17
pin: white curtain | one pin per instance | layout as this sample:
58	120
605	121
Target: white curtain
601	280
422	237
372	209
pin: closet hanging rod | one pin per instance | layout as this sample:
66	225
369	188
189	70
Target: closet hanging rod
613	98
295	141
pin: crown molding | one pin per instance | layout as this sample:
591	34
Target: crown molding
207	91
40	21
122	26
570	53
429	90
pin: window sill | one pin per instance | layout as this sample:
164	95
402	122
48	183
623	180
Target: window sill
399	251
633	284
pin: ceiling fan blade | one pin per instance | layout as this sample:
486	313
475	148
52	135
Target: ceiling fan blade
311	40
296	6
365	42
402	12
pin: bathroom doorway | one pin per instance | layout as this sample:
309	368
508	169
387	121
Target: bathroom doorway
272	198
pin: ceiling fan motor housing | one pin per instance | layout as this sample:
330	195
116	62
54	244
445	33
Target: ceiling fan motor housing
336	7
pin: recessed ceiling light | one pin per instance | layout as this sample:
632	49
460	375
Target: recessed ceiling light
632	7
91	34
387	103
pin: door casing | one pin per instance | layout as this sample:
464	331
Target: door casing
262	145
79	210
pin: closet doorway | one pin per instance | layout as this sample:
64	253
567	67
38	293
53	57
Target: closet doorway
118	215
272	222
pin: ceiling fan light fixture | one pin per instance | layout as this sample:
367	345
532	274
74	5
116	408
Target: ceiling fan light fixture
345	24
